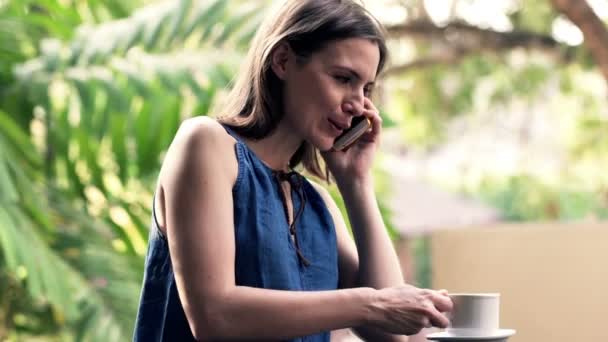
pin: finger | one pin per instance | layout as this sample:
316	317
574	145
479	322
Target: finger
439	320
372	110
435	318
442	302
426	322
376	124
444	292
369	105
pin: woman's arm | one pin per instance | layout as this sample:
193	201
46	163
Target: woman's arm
373	244
349	266
378	265
197	214
371	260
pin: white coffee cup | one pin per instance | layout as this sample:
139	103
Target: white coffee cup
474	314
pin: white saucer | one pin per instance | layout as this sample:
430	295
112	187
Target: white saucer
445	336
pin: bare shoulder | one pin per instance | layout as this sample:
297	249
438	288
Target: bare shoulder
201	143
204	131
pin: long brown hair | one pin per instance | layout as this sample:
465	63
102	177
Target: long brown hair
254	106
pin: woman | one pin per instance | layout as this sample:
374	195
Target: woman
244	247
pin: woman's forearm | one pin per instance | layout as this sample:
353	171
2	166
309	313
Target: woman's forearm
252	313
378	263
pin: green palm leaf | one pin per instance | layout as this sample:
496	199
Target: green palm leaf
111	97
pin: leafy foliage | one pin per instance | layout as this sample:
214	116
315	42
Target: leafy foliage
526	198
85	117
92	92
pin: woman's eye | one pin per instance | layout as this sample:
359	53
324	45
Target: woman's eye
342	79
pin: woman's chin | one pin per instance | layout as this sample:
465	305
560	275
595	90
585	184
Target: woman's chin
327	146
323	145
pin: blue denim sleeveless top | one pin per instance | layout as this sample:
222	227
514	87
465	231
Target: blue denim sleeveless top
267	254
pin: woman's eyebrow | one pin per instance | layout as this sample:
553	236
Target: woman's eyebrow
353	73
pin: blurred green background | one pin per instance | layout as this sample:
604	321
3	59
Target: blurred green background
92	92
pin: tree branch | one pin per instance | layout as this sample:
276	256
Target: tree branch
459	39
594	31
423	63
465	35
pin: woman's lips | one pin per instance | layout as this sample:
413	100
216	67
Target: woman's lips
337	128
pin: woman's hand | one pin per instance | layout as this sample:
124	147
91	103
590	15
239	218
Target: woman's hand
354	162
407	309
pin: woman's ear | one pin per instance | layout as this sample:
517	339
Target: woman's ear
279	59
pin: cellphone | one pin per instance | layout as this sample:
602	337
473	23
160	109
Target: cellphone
359	125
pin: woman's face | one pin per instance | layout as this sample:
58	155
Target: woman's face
322	96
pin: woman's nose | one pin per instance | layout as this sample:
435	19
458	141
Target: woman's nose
353	106
356	100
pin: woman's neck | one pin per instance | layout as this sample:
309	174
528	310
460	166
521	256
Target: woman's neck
276	149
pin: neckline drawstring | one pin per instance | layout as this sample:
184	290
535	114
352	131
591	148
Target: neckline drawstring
295	181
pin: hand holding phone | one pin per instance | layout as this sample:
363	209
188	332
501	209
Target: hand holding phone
359	125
